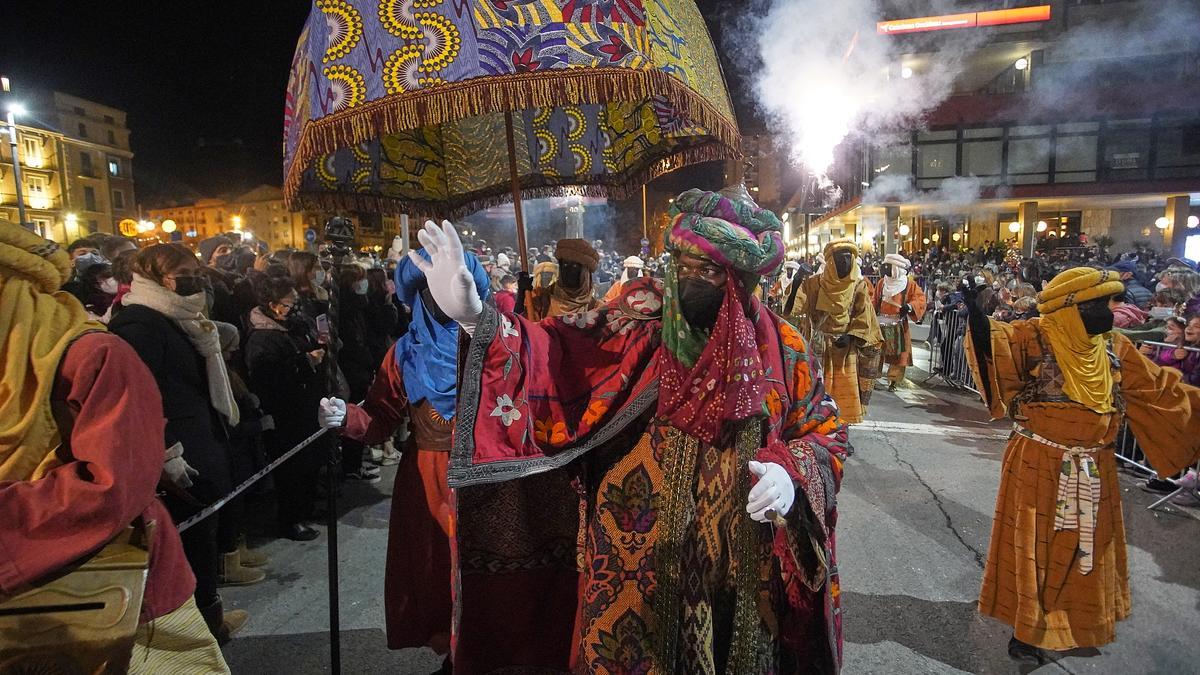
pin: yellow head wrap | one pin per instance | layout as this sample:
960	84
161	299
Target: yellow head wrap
37	324
837	293
1082	358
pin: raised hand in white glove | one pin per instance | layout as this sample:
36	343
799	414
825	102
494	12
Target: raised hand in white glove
177	469
331	414
397	246
450	283
774	492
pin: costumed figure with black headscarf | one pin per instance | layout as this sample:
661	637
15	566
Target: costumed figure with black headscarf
81	458
705	454
1057	568
835	311
571	291
899	300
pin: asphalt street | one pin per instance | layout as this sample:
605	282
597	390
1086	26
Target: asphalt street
915	516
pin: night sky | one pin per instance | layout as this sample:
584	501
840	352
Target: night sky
203	82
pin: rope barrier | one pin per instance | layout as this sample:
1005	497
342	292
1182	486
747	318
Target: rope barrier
216	506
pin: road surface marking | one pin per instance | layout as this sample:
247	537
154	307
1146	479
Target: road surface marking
988	433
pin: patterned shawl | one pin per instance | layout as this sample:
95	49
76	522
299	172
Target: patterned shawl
709	378
428	353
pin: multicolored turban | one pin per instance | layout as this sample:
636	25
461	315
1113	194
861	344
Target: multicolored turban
728	228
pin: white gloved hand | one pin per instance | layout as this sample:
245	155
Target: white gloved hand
450	283
774	491
176	467
393	253
266	423
331	414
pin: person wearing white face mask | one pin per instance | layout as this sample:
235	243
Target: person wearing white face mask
898	300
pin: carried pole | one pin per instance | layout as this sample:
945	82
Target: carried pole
331	538
516	189
645	226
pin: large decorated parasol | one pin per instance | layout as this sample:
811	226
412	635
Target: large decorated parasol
443	107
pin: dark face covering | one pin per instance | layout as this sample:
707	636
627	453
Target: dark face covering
634	273
886	270
431	305
1097	317
570	275
700	302
547	278
189	285
843	261
227	262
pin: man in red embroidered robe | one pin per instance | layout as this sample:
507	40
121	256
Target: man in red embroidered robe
705	453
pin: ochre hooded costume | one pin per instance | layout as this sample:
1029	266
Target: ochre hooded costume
828	307
1056	568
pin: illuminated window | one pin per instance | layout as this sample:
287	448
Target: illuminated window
114	167
35	187
31	148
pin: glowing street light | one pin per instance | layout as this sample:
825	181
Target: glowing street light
906	72
956	236
17	109
1193	221
904	229
925	241
1162	223
144	226
1021	64
168	226
1041	226
1014	227
236	221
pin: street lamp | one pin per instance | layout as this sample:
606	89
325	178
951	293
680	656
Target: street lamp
1021	64
1193	221
1014	226
15	109
168	226
1041	226
237	222
1162	223
904	229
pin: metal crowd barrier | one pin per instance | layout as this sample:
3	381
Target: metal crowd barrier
947	349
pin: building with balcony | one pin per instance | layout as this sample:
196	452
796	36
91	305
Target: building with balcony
76	165
1045	137
259	212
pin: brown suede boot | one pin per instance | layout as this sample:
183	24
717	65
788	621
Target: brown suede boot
223	624
234	574
251	558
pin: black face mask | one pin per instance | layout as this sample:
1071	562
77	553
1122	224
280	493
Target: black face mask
570	275
547	278
635	273
189	285
886	270
700	302
1097	317
432	307
842	263
227	262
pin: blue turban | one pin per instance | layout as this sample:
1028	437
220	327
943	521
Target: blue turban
428	353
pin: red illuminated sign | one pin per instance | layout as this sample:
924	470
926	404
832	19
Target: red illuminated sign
999	17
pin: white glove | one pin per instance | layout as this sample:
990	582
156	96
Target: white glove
177	469
332	413
397	246
267	423
774	491
451	284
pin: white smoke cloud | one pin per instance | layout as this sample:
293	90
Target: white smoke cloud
823	74
956	195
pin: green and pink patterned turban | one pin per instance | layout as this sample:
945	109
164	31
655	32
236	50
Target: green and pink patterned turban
728	228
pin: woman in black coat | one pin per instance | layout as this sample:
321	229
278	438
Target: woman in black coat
163	320
355	359
284	363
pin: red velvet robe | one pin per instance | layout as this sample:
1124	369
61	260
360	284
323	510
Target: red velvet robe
108	399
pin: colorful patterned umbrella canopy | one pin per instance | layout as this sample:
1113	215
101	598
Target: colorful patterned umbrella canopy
401	105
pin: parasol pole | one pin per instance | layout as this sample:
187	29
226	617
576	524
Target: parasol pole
516	190
645	234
